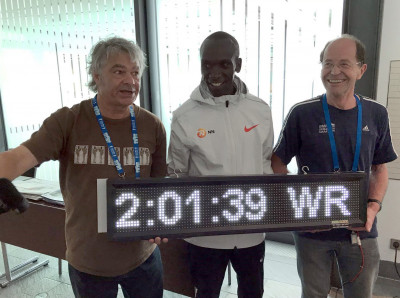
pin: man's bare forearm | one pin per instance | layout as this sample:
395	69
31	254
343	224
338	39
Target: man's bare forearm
15	162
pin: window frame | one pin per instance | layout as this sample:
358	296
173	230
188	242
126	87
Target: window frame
364	28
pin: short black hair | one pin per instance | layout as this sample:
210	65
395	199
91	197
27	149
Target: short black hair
221	35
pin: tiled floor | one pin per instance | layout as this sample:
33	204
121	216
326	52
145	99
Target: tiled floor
281	280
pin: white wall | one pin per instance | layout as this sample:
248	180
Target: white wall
388	218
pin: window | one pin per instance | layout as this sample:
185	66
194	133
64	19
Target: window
280	42
44	47
43	55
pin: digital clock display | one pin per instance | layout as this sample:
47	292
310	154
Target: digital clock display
186	207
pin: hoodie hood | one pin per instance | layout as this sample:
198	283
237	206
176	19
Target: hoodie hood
203	94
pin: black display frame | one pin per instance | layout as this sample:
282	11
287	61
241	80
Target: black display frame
113	185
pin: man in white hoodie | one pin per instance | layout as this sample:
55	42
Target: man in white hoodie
223	130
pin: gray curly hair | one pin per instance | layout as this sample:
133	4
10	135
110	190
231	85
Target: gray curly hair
101	51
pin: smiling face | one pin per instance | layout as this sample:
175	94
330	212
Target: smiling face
118	82
219	62
340	69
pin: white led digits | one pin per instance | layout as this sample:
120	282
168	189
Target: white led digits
313	205
338	201
195	199
237	203
298	205
125	221
169	195
260	206
224	206
305	199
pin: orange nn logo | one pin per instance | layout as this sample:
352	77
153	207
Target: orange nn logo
201	133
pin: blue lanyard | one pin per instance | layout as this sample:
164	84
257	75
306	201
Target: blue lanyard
332	138
111	148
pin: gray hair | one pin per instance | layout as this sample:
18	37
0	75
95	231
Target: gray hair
360	47
102	50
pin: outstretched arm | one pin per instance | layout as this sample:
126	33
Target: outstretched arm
15	162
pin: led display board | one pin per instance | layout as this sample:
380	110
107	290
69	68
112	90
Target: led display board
185	207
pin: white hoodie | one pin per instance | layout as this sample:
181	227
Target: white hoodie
228	135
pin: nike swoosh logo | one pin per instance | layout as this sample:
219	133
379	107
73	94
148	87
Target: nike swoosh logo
250	128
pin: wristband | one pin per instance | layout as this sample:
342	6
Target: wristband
376	201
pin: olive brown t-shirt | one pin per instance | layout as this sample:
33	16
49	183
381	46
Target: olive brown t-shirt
73	136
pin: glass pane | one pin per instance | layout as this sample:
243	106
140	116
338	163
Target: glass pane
280	42
43	52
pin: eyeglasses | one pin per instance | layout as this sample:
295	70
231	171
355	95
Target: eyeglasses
345	65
